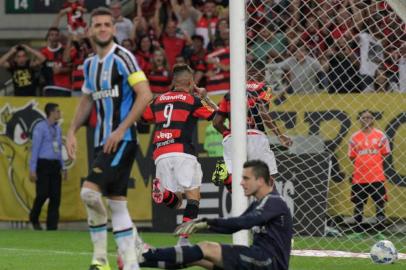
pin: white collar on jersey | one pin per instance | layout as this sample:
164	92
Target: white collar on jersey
110	52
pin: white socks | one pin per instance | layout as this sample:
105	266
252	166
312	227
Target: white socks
123	233
97	220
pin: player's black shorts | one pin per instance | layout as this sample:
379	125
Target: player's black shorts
361	192
245	258
112	171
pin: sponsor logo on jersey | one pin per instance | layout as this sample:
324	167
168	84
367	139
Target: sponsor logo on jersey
164	143
172	98
368	152
259	229
164	135
106	93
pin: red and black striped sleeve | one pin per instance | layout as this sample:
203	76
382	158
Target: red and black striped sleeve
224	106
148	115
203	110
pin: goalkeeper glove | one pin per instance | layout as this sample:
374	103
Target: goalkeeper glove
220	173
191	226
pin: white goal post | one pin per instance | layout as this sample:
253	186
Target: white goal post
239	110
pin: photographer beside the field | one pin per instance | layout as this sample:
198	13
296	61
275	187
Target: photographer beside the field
46	167
367	149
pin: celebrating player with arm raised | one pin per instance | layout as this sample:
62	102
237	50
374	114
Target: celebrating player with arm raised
268	216
175	115
258	119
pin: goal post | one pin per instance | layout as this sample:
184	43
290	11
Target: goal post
399	6
238	111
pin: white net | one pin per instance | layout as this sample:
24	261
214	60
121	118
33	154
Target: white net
327	62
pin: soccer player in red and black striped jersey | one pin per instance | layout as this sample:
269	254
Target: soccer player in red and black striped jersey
175	115
258	119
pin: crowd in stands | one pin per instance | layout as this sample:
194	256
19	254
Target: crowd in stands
304	46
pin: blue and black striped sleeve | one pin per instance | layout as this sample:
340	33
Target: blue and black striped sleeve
129	67
86	87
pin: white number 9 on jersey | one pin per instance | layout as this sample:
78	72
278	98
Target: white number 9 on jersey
168	109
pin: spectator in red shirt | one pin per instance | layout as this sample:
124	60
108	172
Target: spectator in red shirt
144	53
173	43
218	68
207	22
197	59
75	53
159	76
74	10
56	72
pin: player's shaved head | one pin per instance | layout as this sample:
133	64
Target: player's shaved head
182	77
180	69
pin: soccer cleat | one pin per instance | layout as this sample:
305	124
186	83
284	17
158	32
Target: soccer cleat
220	173
140	248
157	193
97	266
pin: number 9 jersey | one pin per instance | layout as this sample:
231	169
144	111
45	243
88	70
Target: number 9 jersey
175	115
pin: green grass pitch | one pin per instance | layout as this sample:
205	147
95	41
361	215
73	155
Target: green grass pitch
63	250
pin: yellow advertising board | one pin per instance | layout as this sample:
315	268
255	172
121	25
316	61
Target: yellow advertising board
331	117
17	118
335	118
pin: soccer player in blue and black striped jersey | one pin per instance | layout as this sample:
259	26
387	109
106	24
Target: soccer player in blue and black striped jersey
268	217
120	91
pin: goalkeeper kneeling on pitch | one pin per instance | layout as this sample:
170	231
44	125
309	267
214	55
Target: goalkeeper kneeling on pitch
268	217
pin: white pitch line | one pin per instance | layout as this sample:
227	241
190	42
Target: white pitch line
304	253
336	253
46	252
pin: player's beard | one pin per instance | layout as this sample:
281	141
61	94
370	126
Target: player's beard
102	43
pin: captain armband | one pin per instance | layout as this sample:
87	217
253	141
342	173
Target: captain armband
136	77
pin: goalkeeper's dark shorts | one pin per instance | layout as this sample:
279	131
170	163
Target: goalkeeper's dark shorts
111	172
245	258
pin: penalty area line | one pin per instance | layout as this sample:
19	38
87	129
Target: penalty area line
335	253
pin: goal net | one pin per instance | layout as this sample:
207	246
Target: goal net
327	61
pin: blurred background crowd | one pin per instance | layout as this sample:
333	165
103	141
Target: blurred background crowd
298	46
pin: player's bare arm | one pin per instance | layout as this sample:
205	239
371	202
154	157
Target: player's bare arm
82	114
218	123
285	140
202	92
144	97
